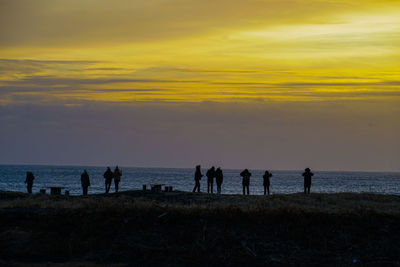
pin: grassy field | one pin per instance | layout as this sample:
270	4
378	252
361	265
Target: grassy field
180	229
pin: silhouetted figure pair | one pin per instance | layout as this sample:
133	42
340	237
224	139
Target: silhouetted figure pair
117	178
219	178
266	183
307	174
246	181
85	181
210	179
29	181
197	178
108	176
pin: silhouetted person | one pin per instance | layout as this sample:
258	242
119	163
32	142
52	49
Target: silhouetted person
307	180
197	178
29	181
219	178
108	176
85	181
246	181
266	183
210	179
117	178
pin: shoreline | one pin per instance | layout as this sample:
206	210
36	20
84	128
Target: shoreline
192	168
130	192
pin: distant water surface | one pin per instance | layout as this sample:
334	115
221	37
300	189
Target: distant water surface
12	178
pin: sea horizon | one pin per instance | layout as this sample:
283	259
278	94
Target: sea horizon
12	178
203	168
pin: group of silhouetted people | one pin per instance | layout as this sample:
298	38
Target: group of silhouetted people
85	180
245	174
108	175
211	174
218	175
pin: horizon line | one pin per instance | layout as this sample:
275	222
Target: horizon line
204	168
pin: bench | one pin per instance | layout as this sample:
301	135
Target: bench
168	189
156	187
55	190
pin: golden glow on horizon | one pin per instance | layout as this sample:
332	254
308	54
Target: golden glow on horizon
211	51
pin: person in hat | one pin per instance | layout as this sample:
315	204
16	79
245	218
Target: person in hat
307	174
266	183
85	182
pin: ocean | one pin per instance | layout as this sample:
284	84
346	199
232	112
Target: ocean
12	178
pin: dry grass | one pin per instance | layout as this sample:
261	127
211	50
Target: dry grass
342	203
180	229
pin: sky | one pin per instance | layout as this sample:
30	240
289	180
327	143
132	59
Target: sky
260	84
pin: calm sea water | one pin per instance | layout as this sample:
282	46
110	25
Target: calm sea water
12	178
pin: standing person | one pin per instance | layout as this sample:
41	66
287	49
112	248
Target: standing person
117	178
210	179
197	178
246	181
307	180
108	176
219	178
85	181
29	181
266	177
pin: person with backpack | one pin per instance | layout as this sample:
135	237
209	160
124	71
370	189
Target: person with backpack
108	176
210	179
197	178
266	183
85	182
219	178
246	181
29	181
117	178
307	174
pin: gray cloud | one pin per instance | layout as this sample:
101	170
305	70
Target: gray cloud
45	62
339	84
313	84
31	67
176	69
11	89
52	80
348	78
394	83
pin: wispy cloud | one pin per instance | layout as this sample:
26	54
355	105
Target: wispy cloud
50	80
194	51
4	61
126	21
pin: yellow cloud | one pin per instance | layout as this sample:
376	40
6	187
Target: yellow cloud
191	51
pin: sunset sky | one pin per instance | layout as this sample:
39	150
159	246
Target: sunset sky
173	83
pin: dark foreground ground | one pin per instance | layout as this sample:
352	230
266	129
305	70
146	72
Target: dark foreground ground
180	229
